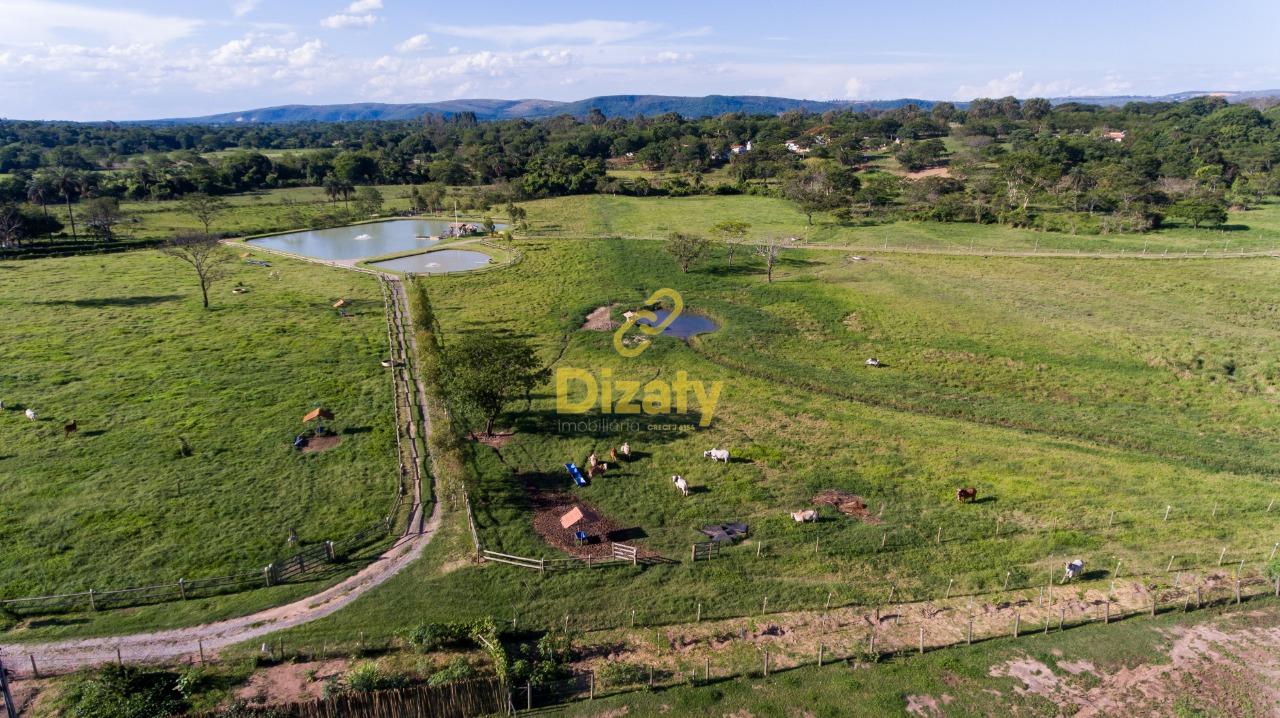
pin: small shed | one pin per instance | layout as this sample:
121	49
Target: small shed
575	515
318	413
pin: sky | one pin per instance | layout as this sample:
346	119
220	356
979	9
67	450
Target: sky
144	59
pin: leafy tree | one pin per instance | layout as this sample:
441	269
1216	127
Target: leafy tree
368	201
1200	210
915	156
204	208
687	248
731	232
812	191
101	217
66	182
205	254
485	372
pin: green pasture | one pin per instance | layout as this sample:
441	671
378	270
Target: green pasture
120	344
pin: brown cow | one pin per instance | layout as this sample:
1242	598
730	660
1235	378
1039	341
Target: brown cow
966	494
69	429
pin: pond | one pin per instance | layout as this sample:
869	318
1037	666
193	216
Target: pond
438	262
358	241
686	325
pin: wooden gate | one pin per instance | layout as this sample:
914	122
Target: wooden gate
626	553
705	551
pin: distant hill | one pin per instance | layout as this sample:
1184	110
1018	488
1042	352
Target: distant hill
619	106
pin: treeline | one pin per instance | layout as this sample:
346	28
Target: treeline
1073	167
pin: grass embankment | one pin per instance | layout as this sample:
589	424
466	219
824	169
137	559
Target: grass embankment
655	217
121	345
1045	384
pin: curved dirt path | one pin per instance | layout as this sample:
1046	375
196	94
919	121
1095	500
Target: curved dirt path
183	643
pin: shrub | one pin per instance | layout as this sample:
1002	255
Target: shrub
115	691
457	670
367	676
622	673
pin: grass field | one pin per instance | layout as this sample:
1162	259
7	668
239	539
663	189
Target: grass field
1046	384
120	344
656	217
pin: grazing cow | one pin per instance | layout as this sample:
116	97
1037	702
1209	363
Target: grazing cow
717	454
613	455
69	429
808	515
872	362
597	470
625	450
592	461
681	484
966	494
30	414
1074	569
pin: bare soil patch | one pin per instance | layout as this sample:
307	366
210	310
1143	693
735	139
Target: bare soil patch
549	506
498	440
316	444
931	172
598	320
846	503
290	682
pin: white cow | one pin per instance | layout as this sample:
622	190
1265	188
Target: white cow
1074	569
803	516
717	454
681	484
31	414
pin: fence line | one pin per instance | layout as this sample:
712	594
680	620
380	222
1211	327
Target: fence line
298	567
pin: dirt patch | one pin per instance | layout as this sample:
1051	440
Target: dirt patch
316	444
922	705
598	320
498	440
846	503
931	172
290	682
549	506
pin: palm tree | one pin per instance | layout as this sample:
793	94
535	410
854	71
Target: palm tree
38	193
67	181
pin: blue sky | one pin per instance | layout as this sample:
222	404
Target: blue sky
133	59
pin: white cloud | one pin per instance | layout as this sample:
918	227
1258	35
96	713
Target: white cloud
341	21
240	8
854	88
667	57
38	21
363	6
591	31
417	42
1010	84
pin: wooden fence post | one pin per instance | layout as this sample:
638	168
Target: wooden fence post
871	644
182	589
1222	555
592	695
1111	519
706	668
1273	551
950	582
1017	622
528	692
200	647
1062	618
1237	592
1007	574
968	639
820	650
922	640
35	672
1197	598
766	663
1106	617
699	618
1167	509
93	606
1169	568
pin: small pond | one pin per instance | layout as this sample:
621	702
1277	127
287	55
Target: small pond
686	325
358	241
438	262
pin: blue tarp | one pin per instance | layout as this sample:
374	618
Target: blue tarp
576	474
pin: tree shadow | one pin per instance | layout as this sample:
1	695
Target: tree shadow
93	432
141	300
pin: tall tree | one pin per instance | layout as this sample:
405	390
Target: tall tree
813	191
101	217
204	208
205	255
687	249
66	182
771	250
731	232
486	372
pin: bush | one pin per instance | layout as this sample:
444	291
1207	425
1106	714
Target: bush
115	691
457	670
622	673
367	676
